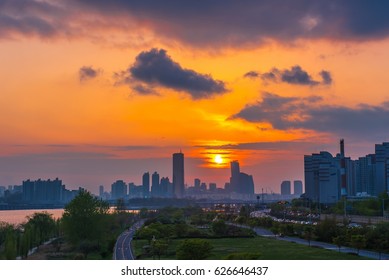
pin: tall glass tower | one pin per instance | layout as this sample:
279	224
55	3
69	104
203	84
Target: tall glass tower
178	175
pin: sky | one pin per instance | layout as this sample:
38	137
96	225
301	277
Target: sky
96	91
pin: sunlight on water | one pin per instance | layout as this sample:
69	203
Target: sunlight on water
19	216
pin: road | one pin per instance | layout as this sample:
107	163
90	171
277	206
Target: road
364	253
123	249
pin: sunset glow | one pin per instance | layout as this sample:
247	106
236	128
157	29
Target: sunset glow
95	91
218	159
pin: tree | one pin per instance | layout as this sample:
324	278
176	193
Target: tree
378	238
42	226
159	247
244	211
275	229
339	240
147	233
358	241
84	218
326	230
10	245
194	249
219	227
308	234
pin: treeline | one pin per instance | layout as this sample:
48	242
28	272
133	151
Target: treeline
370	237
18	240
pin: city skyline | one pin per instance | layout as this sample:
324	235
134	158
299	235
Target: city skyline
95	91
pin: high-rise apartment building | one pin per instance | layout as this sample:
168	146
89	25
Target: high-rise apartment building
297	187
322	180
285	188
43	191
118	190
178	175
382	168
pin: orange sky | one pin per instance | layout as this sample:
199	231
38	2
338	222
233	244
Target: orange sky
51	117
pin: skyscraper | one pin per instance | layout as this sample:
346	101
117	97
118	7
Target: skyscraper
146	184
101	191
235	174
240	182
178	175
155	189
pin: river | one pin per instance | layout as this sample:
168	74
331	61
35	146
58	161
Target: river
20	216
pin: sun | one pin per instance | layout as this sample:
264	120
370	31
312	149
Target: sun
218	159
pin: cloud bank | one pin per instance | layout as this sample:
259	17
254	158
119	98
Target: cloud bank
286	113
201	23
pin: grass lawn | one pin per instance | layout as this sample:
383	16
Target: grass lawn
267	248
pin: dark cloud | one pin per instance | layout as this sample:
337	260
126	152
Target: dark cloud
230	22
287	113
202	23
155	68
251	74
87	72
31	17
326	77
296	76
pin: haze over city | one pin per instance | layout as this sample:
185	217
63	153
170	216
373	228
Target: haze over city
96	91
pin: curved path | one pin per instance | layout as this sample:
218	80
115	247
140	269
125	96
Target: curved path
123	249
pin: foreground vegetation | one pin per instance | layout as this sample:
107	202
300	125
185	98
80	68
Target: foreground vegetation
194	234
87	230
258	248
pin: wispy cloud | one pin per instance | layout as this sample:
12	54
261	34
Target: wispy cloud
88	73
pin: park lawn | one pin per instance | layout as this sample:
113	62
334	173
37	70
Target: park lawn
267	248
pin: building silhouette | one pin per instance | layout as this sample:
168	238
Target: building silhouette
212	187
382	168
235	176
321	173
101	191
155	186
329	178
240	182
43	191
118	190
146	184
285	188
297	187
178	175
166	187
